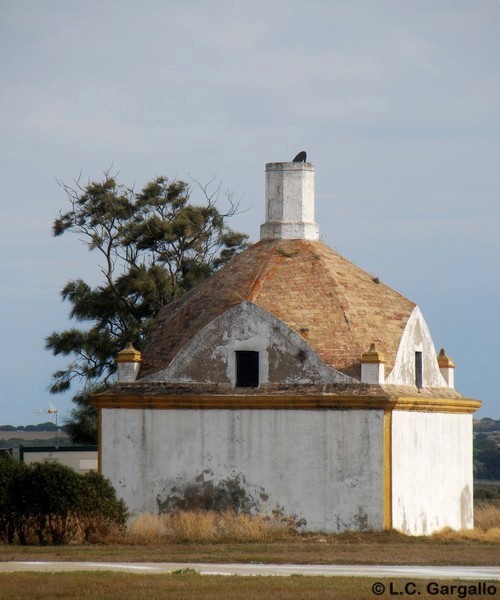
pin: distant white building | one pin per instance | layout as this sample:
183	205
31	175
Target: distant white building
299	376
81	459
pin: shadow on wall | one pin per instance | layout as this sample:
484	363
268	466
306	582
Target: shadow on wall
466	508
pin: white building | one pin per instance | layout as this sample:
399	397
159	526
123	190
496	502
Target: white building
301	381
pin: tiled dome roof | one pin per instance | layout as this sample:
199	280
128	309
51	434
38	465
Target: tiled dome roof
339	308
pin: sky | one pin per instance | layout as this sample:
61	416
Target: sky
397	103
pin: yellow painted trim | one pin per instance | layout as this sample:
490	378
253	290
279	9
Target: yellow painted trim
387	469
445	405
129	354
445	361
285	402
372	356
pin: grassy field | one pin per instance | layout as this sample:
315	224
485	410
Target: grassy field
29	436
349	548
108	586
229	538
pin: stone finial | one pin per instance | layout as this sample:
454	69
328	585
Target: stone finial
128	363
372	366
372	356
446	366
289	202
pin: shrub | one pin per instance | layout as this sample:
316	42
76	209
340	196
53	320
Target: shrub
100	510
12	499
56	495
49	503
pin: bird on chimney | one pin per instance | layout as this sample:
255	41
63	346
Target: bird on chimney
301	157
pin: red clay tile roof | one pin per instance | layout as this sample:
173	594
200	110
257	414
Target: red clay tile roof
339	308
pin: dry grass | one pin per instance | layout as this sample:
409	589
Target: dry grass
487	526
212	537
487	516
477	535
208	526
211	527
103	586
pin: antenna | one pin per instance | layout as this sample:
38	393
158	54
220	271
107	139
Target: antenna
51	410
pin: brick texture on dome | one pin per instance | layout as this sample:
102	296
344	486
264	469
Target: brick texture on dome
336	306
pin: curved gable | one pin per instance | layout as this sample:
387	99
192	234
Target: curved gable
416	338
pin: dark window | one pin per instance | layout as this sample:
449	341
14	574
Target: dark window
418	369
247	368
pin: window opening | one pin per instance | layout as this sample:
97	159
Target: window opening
418	370
247	368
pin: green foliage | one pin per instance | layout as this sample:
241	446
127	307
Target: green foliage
51	503
12	499
486	458
154	246
82	424
55	495
487	492
100	510
486	425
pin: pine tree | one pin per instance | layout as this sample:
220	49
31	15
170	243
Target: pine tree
154	246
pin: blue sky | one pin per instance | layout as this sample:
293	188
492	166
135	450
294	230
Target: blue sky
397	103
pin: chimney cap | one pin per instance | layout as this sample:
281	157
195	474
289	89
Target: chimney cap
289	166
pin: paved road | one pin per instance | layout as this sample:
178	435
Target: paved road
410	572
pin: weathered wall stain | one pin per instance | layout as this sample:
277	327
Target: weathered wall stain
203	492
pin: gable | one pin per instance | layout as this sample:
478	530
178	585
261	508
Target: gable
416	338
322	296
284	356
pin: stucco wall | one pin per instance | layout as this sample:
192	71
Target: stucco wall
323	466
432	471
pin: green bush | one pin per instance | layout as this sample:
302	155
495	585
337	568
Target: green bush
56	493
100	510
49	503
12	499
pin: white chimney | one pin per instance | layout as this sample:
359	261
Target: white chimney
289	202
447	368
372	366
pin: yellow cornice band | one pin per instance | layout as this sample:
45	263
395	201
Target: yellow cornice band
265	402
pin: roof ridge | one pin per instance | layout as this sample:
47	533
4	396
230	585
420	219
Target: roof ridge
344	305
258	277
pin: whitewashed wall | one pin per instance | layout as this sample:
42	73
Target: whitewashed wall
323	466
432	471
416	338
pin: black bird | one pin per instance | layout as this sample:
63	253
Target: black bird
301	157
